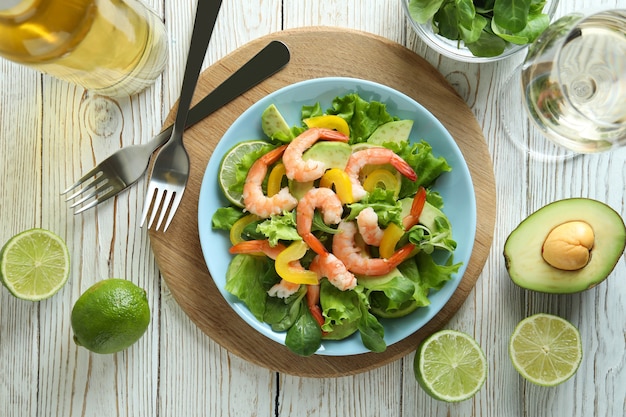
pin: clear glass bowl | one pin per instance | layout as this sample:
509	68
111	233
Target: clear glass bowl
455	49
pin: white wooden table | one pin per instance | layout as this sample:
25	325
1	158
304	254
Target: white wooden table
50	132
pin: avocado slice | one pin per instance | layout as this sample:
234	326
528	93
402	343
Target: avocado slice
564	229
396	131
428	215
273	122
331	154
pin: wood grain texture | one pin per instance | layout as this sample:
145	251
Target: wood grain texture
178	251
176	370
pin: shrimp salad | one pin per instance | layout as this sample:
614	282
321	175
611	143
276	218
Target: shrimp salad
338	228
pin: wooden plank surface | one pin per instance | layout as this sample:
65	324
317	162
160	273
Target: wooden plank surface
51	132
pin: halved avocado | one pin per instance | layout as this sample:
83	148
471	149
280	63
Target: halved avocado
567	246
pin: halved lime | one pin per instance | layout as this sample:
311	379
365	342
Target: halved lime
227	176
450	366
545	349
34	264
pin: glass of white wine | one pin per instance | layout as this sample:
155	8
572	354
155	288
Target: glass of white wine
573	81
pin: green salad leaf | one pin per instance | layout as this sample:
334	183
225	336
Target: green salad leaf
486	27
225	217
279	227
420	157
282	313
385	205
341	310
511	15
372	332
249	278
362	116
305	336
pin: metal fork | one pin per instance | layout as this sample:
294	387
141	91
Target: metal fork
170	170
127	165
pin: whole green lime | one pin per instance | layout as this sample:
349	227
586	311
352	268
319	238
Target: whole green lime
110	316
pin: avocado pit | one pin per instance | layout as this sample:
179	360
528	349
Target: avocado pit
565	247
568	246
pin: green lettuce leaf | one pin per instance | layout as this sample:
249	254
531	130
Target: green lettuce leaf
434	275
248	278
423	10
420	157
421	289
282	313
387	207
279	227
305	336
439	237
371	330
362	116
340	309
225	217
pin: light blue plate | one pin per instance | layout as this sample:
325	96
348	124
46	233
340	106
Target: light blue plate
455	187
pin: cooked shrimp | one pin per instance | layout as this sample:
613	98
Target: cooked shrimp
324	264
328	202
284	288
417	207
367	223
357	261
313	302
374	156
329	266
309	170
254	199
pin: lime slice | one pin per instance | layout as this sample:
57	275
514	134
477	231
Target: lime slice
228	168
450	366
545	349
34	264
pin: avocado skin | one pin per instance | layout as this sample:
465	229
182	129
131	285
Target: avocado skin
522	249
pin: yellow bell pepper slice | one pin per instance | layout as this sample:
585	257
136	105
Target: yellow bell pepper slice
329	121
289	272
341	181
383	177
275	179
391	236
239	225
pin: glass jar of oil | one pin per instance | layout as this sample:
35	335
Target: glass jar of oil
111	47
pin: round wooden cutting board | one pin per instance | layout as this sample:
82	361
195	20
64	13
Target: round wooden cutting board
315	52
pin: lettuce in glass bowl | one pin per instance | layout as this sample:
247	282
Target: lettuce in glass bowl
479	30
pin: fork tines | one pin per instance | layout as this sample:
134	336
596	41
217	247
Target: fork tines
160	200
93	187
